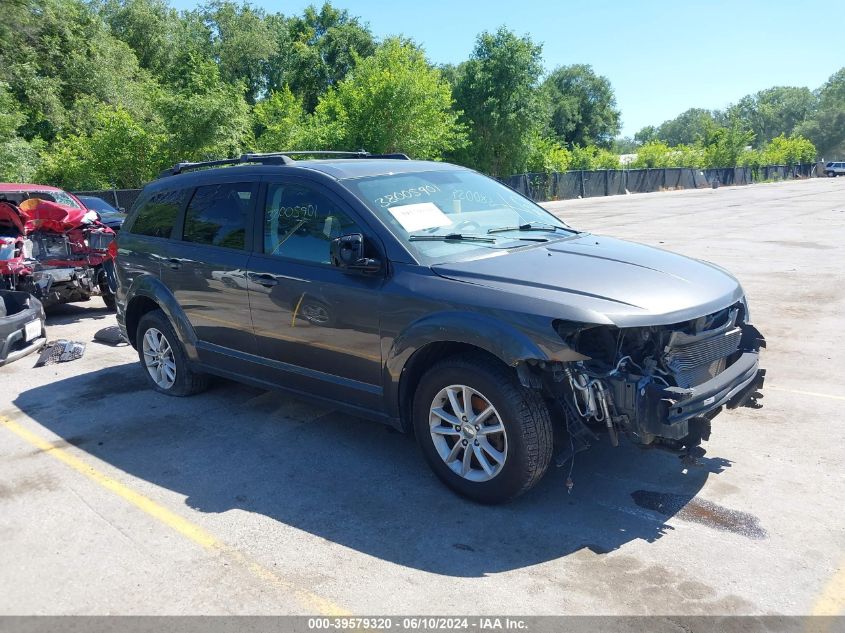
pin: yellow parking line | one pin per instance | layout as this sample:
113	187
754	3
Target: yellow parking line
832	599
806	393
195	533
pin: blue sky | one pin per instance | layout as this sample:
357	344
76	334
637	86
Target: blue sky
661	57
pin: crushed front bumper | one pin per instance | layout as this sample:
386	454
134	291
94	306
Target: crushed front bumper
656	411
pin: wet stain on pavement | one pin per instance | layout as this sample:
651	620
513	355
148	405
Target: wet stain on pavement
38	482
700	511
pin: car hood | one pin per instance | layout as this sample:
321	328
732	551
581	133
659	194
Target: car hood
601	279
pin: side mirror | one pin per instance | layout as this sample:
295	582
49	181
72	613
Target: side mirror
347	253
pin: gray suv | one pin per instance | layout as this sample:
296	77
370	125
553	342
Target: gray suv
833	169
435	300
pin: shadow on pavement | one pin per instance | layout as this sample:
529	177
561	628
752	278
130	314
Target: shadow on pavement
350	481
66	313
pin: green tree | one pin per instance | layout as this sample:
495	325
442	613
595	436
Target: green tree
202	116
242	42
774	111
687	128
151	28
651	154
792	150
19	159
826	126
118	152
724	146
582	106
646	135
280	123
60	52
591	157
659	154
316	51
393	101
625	145
497	90
547	156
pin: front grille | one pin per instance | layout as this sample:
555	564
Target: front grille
696	359
100	240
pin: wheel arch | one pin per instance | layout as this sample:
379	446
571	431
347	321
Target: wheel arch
440	336
151	294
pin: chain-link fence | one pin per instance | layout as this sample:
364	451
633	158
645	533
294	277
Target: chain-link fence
588	184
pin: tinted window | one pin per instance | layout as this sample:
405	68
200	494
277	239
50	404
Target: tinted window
157	215
217	215
300	222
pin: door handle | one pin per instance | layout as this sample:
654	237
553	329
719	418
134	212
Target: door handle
268	281
174	264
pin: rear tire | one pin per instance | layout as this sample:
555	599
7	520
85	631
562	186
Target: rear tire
109	300
163	358
503	464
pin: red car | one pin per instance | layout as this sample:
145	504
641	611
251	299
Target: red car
52	246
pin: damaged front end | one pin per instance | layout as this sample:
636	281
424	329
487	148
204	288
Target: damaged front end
660	385
55	253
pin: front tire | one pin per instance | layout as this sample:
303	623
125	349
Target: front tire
831	174
163	357
482	433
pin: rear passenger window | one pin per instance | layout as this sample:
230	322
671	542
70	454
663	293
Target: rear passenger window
157	215
300	222
217	215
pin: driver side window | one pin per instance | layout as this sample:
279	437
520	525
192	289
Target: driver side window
300	223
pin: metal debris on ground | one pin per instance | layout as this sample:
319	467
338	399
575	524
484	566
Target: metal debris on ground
111	336
60	351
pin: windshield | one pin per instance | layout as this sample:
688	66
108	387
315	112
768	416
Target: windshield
436	214
60	197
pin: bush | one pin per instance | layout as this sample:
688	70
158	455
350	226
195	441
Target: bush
591	157
393	101
547	156
652	154
788	151
119	152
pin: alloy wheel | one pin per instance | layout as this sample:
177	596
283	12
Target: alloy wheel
159	359
468	433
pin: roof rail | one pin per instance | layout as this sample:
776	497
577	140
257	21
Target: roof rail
273	158
266	159
340	154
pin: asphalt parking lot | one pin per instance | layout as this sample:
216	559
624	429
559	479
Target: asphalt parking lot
117	500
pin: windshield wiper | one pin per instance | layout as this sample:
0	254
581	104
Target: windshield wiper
528	227
450	237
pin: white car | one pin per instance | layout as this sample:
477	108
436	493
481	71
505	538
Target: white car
834	169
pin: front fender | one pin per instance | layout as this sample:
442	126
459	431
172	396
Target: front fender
509	342
485	332
151	287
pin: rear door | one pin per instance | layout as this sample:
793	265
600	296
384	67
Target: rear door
317	325
202	266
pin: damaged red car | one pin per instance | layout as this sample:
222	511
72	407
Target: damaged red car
52	246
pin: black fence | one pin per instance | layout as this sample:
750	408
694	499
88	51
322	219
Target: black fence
612	182
588	184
